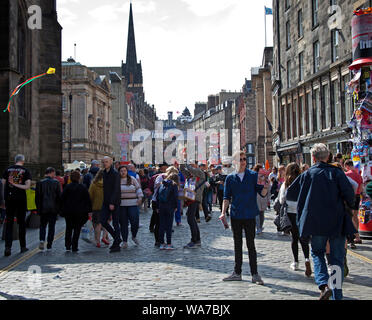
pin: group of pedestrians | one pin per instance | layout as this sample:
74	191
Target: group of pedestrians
315	200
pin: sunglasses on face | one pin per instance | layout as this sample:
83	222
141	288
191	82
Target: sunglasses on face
243	159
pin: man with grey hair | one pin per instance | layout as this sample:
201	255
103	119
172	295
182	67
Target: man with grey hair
323	191
16	179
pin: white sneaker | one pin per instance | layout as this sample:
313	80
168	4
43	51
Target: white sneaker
135	241
124	245
41	245
294	266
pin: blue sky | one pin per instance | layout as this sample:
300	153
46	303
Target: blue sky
188	48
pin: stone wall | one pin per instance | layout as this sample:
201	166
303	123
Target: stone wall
33	127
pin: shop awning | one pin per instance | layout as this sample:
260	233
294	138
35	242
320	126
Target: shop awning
357	64
282	148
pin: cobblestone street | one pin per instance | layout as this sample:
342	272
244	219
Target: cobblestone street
145	272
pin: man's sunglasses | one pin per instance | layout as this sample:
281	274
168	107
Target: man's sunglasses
243	159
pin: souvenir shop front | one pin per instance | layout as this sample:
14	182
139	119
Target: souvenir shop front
361	123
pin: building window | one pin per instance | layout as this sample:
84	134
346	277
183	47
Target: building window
316	56
335	42
301	66
294	119
300	24
335	103
326	119
251	162
64	106
288	33
347	100
333	3
316	122
315	8
289	121
301	116
287	4
288	74
308	106
282	120
63	131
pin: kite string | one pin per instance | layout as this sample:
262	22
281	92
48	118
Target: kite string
19	87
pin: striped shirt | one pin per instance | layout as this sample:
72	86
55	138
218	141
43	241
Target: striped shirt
130	194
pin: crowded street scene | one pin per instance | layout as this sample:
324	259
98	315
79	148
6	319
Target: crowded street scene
181	151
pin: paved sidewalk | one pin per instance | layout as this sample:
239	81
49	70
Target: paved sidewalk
145	272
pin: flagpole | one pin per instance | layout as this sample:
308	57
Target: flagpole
265	28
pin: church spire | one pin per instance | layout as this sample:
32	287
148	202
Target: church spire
131	46
132	70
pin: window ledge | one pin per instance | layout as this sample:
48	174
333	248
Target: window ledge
314	27
300	38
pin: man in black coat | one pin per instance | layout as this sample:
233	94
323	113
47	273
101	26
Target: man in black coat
48	203
111	202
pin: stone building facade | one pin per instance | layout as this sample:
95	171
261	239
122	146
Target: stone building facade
261	85
90	114
248	123
312	52
33	126
122	121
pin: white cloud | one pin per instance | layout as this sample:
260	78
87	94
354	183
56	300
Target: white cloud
66	16
205	8
139	7
104	13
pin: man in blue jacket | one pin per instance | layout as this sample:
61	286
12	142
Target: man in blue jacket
241	189
323	191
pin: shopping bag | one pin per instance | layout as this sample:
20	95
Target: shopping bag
87	231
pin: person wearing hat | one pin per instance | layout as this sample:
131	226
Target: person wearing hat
88	178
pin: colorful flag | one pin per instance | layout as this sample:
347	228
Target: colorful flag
268	11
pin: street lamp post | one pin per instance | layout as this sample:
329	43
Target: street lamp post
70	144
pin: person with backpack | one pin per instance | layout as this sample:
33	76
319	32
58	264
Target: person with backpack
153	188
167	198
48	203
197	177
155	204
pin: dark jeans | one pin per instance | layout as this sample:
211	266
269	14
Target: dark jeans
191	220
153	218
48	219
337	256
210	200
205	206
178	216
260	220
155	221
126	215
72	234
296	237
220	200
166	216
249	227
15	210
105	216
